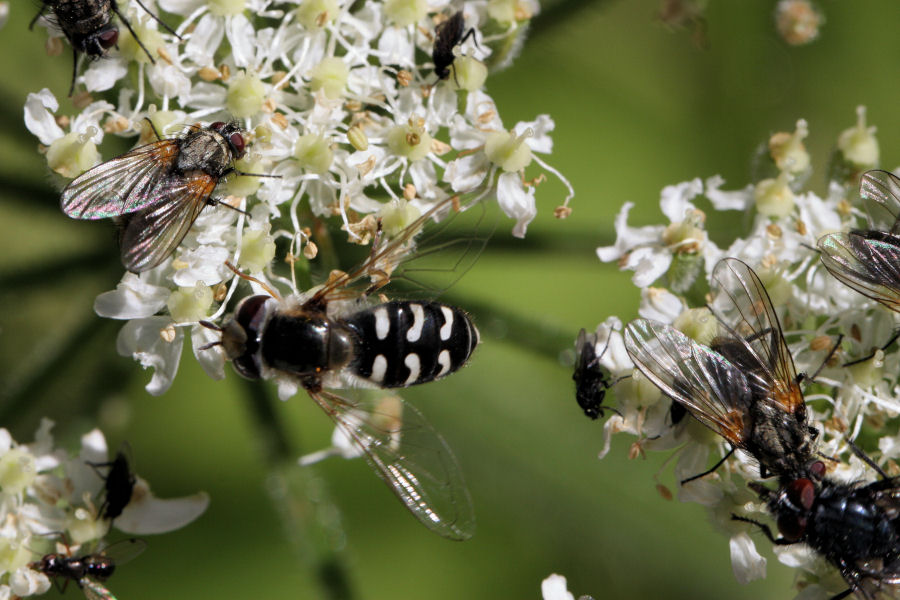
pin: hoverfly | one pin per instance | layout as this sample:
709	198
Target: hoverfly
592	380
333	338
87	24
448	35
868	260
855	527
88	570
744	385
118	485
159	188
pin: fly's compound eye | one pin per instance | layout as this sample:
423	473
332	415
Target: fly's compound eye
218	126
237	142
802	493
108	38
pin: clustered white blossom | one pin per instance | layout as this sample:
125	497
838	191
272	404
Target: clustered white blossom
341	105
672	265
51	503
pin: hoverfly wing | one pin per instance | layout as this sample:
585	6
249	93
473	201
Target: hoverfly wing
713	389
882	188
742	305
412	458
409	260
94	590
121	185
868	262
151	235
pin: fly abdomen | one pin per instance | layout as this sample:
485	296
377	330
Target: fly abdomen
405	343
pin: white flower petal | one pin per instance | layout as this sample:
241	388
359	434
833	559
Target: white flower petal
516	201
541	127
675	199
206	38
146	514
648	264
660	304
746	562
287	388
39	120
736	200
103	74
212	360
142	339
133	298
554	588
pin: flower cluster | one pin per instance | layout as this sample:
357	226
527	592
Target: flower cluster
52	502
672	265
342	110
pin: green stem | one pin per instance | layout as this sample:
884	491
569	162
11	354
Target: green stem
311	520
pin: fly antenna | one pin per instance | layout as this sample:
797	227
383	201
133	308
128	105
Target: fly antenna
262	284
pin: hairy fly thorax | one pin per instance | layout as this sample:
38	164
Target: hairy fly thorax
87	24
211	150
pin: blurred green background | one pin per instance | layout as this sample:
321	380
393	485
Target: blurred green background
637	106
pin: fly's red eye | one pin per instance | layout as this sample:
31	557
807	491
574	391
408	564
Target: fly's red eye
218	125
237	141
817	469
802	492
109	38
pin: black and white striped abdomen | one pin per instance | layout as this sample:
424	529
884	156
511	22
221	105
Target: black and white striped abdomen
404	343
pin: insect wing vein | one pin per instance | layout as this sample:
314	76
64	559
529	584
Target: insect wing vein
125	551
94	590
704	381
742	305
412	458
121	185
153	234
882	189
869	266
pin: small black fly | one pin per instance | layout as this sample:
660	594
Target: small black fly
592	380
447	36
118	485
88	26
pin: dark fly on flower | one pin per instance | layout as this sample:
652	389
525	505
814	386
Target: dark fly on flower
88	26
743	385
868	260
159	189
855	527
118	484
592	380
88	570
335	338
448	35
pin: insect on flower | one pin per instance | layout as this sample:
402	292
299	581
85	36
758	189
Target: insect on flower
447	36
159	189
118	485
592	380
868	260
90	569
333	338
855	527
88	26
744	385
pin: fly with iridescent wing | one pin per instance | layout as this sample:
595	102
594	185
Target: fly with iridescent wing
89	570
158	189
336	338
743	385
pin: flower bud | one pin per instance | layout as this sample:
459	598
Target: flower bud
189	305
788	151
405	12
774	197
858	144
410	140
507	150
244	185
698	324
357	138
467	74
330	76
246	94
17	471
314	14
397	215
257	249
314	153
73	154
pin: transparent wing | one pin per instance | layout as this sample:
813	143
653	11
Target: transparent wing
412	263
882	189
94	590
411	457
867	261
125	184
715	391
743	307
151	235
124	551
